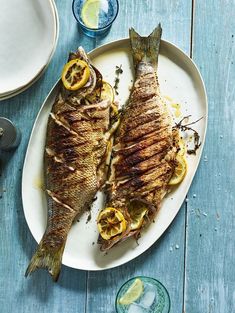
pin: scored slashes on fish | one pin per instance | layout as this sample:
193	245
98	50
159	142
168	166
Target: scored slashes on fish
78	135
145	144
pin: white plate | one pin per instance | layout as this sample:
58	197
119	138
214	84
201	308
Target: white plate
18	91
179	79
28	33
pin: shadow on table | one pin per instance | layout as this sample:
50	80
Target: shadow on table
132	268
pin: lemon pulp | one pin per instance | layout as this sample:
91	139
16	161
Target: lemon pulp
133	293
137	211
103	93
75	74
90	13
111	222
107	92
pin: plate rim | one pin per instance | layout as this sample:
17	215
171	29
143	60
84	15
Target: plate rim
203	139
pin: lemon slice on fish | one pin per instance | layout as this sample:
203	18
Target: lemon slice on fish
111	222
75	74
103	93
180	170
133	293
90	13
107	92
137	211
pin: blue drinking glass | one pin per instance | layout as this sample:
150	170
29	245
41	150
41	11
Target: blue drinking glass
105	15
154	298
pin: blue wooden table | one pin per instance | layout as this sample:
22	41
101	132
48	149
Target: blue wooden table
200	274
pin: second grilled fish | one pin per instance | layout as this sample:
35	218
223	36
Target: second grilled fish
144	149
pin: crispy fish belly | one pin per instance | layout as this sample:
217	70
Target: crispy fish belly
145	146
76	147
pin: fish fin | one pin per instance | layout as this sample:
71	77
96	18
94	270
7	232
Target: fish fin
146	48
46	258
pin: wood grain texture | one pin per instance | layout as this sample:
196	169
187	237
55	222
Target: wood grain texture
159	261
79	291
18	294
210	273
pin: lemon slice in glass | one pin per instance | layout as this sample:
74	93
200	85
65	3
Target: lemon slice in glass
111	222
133	293
90	13
75	74
180	170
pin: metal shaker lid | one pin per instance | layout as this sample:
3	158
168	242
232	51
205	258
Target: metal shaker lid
9	134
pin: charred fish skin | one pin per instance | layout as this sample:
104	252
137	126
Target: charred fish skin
144	148
75	149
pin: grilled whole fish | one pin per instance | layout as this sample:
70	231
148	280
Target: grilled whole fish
76	148
145	144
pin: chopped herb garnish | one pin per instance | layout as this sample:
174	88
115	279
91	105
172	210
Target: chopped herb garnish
118	71
88	218
185	127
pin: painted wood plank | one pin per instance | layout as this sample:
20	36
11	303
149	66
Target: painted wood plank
210	272
163	261
144	16
38	292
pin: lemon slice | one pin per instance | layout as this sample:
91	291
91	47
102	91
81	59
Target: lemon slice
107	92
115	109
133	293
137	211
103	93
90	13
111	222
180	170
75	74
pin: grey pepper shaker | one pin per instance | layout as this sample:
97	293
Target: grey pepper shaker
10	136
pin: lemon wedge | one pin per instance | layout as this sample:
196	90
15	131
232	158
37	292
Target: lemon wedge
75	74
90	13
133	293
111	222
180	170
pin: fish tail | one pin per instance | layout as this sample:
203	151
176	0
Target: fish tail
49	258
146	48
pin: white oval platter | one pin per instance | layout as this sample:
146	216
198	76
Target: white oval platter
179	79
